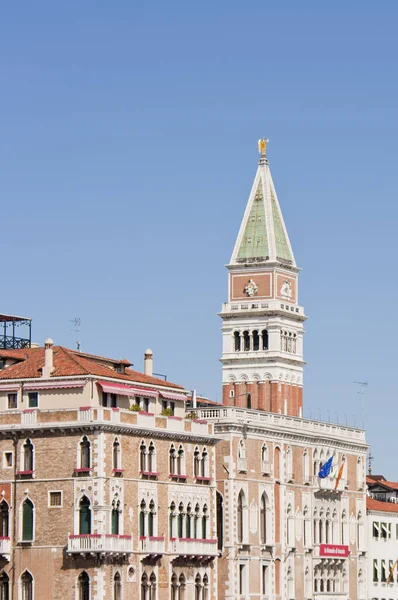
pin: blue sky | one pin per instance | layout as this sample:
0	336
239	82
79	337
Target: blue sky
128	149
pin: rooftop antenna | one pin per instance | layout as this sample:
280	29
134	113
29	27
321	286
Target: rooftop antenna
363	385
76	324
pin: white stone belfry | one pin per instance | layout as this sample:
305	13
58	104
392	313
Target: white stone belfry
262	320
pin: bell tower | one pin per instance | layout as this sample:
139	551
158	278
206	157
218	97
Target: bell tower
262	350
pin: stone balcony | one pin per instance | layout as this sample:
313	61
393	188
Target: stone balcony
331	596
154	546
193	547
5	547
99	543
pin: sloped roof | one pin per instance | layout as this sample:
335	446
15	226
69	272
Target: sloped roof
372	504
379	481
68	363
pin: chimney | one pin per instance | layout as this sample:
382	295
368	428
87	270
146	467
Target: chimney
48	358
194	401
148	362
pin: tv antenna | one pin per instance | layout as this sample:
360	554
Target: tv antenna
76	325
370	461
363	385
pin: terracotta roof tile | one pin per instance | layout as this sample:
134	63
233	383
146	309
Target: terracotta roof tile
68	363
372	504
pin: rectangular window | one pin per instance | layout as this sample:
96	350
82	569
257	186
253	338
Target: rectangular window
389	530
2	363
33	399
241	579
12	400
145	404
383	533
376	530
55	499
104	399
113	400
172	406
383	576
7	460
264	580
164	407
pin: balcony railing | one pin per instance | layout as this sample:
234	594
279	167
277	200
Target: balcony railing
5	546
102	543
331	596
192	547
152	545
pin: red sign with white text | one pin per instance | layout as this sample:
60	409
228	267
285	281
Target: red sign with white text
333	550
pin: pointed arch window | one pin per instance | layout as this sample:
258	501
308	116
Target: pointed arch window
205	587
85	453
180	523
241	456
183	585
306	467
148	587
28	456
205	463
290	527
151	466
143	519
240	517
116	454
289	464
188	522
172	516
198	587
196	462
27	520
27	586
174	587
263	518
4	586
4	520
173	460
220	521
83	584
84	516
143	455
307	527
181	460
196	522
151	519
115	517
117	587
205	517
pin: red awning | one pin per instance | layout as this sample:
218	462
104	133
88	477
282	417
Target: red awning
10	388
116	388
145	392
54	385
173	396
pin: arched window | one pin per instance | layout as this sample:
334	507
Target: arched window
27	586
4	520
151	466
344	536
4	586
240	516
172	516
181	460
237	341
28	456
173	460
220	521
152	587
116	454
151	519
306	467
181	520
246	341
148	587
256	340
142	518
290	584
241	456
117	587
205	587
289	463
196	462
315	463
263	518
85	452
115	517
183	585
264	338
188	522
83	583
205	516
27	521
290	527
307	527
360	535
205	463
143	455
328	527
359	474
174	587
198	587
196	522
84	516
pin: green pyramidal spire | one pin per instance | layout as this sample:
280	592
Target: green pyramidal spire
263	236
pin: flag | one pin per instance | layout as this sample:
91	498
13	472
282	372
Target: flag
340	473
327	467
391	572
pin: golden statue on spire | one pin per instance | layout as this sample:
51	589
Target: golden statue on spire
262	146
